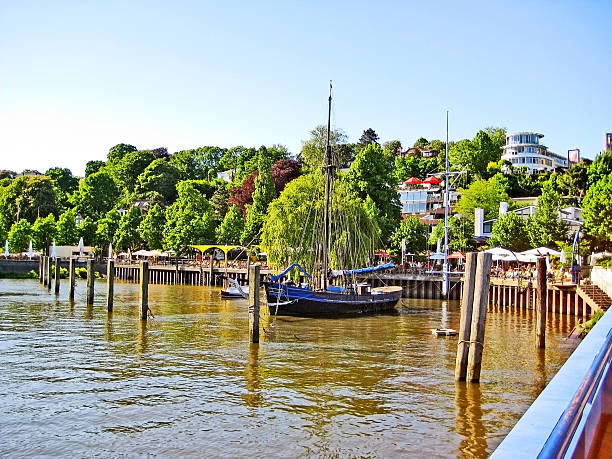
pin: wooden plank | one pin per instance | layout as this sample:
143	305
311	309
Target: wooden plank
479	315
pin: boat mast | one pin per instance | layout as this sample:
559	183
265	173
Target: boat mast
446	205
327	168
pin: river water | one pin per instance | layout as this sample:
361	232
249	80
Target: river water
77	381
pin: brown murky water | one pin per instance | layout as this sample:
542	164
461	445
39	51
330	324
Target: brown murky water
76	381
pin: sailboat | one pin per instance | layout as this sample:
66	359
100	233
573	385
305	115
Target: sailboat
323	299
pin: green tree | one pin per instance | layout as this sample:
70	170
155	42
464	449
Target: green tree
150	228
19	236
263	195
189	220
597	214
292	229
546	226
393	147
3	233
231	228
219	204
27	197
64	184
107	227
93	166
475	155
421	143
371	174
413	232
574	182
67	231
414	166
44	231
487	194
126	171
497	135
118	152
460	232
600	168
127	235
87	230
510	231
313	149
160	177
368	137
97	194
198	163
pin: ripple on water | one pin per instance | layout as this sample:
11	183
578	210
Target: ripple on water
78	381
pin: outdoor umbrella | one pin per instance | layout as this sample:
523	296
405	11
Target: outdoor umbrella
413	181
30	252
81	247
53	254
6	250
432	180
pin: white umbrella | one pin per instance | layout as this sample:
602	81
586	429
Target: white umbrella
563	257
110	250
542	251
501	254
6	250
436	256
53	255
30	252
81	247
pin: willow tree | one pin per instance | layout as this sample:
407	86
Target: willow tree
293	228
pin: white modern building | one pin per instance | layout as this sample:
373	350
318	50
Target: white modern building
523	149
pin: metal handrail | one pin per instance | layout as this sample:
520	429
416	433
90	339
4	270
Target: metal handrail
561	436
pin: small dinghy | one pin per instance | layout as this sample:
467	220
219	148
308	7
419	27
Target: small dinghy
444	332
235	290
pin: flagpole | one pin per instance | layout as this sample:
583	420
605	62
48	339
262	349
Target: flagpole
446	205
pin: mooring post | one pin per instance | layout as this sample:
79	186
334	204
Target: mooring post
144	289
41	273
479	315
110	284
254	303
541	305
71	279
49	269
91	280
57	275
467	302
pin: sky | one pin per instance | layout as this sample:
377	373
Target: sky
77	77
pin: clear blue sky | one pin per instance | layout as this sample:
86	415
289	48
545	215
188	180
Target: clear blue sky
79	77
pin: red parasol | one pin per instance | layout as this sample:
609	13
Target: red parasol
413	181
433	180
457	255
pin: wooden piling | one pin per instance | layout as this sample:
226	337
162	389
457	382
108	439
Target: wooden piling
541	306
49	276
110	284
91	280
254	303
71	278
57	276
479	315
41	269
144	289
211	272
466	317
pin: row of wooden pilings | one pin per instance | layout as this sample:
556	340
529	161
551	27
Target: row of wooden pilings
49	272
559	299
474	305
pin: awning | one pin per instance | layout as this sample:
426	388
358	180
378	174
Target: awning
369	269
294	265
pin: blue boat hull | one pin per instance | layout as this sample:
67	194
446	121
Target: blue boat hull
286	300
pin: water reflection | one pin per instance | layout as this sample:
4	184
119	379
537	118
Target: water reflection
253	397
189	381
468	421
